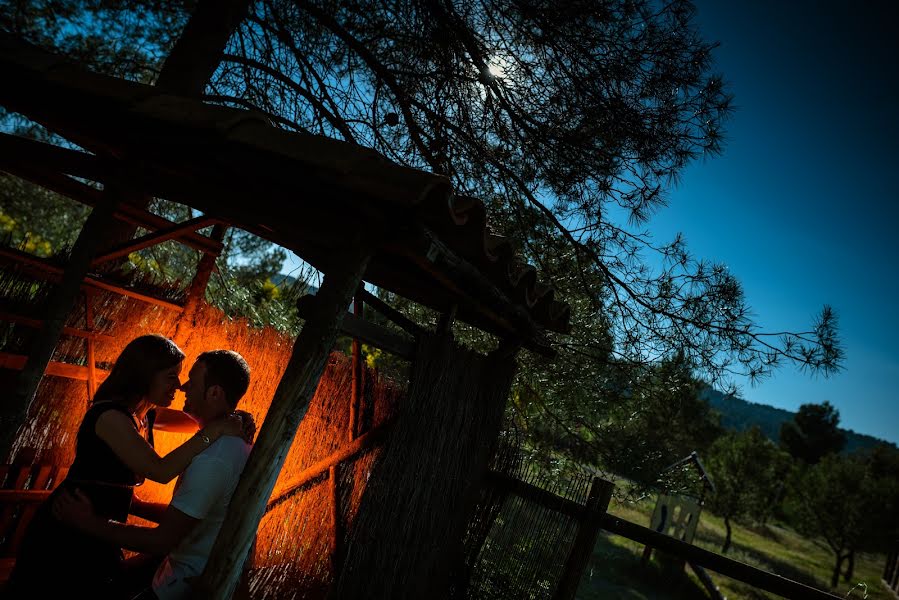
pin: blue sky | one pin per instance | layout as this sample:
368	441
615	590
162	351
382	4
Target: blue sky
803	206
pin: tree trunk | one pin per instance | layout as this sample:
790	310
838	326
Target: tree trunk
850	566
835	578
726	545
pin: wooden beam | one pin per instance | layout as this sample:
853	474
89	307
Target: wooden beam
36	323
478	298
391	313
295	390
535	494
175	231
356	387
85	194
16	362
45	267
360	444
21	151
92	382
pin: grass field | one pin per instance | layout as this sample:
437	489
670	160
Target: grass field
615	571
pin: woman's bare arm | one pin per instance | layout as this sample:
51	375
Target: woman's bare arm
117	430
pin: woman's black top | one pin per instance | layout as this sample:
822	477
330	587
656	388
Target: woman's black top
55	559
98	472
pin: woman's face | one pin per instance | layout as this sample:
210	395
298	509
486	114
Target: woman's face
163	386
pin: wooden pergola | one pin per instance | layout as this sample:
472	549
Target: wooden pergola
346	210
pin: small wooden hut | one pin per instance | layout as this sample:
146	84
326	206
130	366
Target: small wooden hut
353	215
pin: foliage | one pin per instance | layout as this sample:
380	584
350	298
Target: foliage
813	433
843	501
36	220
746	468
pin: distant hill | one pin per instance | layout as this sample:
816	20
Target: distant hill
742	415
284	280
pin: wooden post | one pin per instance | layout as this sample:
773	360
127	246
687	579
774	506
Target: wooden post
197	290
14	410
91	359
336	529
356	397
291	401
597	505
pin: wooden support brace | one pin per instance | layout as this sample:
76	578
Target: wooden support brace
391	313
356	389
360	444
175	231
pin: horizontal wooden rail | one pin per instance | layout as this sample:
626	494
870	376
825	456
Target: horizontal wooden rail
37	324
358	445
536	494
8	496
698	557
16	362
755	577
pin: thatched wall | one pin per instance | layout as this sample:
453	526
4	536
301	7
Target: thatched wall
407	536
292	556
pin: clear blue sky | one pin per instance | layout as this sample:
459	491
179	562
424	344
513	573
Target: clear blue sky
803	205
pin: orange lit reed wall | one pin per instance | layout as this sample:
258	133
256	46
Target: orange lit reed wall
295	540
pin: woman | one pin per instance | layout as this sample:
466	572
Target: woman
113	454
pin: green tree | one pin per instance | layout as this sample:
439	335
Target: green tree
813	433
743	467
841	500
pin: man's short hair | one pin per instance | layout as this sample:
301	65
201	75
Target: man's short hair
228	369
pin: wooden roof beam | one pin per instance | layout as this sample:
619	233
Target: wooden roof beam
19	156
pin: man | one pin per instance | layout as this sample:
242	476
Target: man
190	523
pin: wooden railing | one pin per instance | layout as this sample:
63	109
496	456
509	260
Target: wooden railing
594	516
24	487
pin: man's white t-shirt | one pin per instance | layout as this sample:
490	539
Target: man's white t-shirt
203	492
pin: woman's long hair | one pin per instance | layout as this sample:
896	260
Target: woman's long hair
134	369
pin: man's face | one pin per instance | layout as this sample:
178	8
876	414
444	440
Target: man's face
195	390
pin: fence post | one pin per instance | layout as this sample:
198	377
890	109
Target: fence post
588	528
